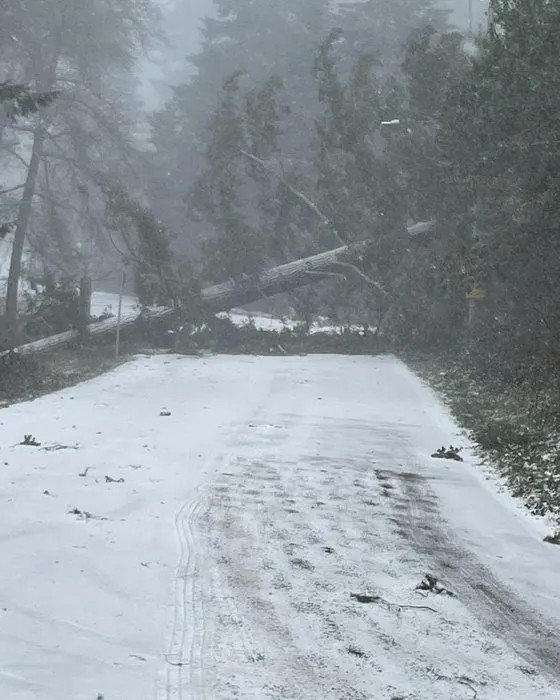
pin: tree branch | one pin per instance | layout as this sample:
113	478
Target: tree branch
16	155
326	274
12	189
300	195
365	277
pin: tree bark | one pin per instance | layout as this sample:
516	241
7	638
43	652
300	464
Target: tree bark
298	273
276	280
22	223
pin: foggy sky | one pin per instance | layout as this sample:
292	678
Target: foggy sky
185	39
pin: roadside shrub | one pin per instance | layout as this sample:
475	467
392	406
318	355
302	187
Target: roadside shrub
54	307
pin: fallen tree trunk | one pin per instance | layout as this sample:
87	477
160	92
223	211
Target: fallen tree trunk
228	295
93	329
277	280
220	297
284	278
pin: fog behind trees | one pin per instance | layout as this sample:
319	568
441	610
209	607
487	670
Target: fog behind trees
183	25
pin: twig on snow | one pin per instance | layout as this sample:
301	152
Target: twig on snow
466	681
364	598
173	663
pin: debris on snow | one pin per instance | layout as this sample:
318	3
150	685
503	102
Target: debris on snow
110	480
302	564
527	670
84	514
365	598
449	453
356	651
56	447
30	441
430	584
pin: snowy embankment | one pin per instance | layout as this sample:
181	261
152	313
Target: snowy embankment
107	303
241	527
266	322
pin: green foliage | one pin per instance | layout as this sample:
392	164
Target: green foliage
500	145
22	376
221	335
53	307
161	277
277	37
243	134
430	308
5	228
498	416
19	101
107	32
78	52
359	191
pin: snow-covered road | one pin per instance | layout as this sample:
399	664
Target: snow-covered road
263	540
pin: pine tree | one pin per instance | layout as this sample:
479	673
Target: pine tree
229	193
75	49
500	141
261	40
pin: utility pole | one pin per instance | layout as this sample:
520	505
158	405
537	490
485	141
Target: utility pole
470	18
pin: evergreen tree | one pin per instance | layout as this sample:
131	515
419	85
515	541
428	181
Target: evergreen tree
229	193
263	39
382	28
500	143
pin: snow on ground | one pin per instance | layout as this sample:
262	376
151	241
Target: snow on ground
213	552
105	302
267	322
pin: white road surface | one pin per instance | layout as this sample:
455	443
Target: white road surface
263	540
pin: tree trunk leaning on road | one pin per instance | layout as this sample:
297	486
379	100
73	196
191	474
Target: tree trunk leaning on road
283	278
228	295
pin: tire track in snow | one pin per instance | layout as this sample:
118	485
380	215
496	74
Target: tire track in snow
185	661
186	603
284	603
494	604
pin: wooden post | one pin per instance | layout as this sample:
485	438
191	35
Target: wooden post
119	313
475	298
85	307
